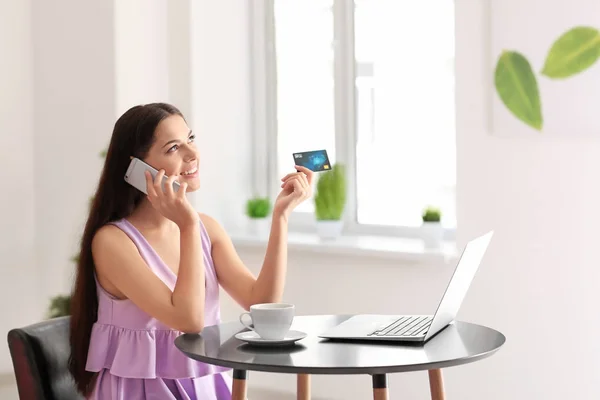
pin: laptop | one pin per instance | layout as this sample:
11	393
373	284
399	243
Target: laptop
418	328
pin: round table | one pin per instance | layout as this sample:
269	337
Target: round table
457	344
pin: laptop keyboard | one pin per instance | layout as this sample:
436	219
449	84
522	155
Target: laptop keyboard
406	326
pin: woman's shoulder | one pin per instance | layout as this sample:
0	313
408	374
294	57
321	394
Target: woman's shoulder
111	249
108	230
108	236
207	220
214	229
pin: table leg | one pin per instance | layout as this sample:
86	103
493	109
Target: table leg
380	390
436	384
239	385
303	387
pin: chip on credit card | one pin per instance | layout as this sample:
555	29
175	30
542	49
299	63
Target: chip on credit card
316	160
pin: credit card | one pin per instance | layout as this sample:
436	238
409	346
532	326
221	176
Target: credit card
316	160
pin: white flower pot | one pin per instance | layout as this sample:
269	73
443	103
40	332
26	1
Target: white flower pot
260	227
329	229
432	234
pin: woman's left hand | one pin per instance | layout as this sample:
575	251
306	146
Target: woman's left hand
296	187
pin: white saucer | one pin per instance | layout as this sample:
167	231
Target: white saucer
252	337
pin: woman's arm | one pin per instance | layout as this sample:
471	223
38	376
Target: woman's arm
269	286
233	275
189	292
119	262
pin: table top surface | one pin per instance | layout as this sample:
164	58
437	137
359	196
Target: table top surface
457	344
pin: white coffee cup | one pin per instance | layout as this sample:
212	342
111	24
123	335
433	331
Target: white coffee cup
271	321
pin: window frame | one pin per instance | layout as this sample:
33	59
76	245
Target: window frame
263	73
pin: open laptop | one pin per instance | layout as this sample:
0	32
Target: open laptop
418	328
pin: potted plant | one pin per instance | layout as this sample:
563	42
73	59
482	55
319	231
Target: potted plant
60	306
433	232
257	210
330	201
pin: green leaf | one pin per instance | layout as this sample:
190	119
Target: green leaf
431	214
330	198
572	53
258	207
102	154
517	87
60	306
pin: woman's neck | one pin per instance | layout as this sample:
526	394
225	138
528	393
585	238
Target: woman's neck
147	217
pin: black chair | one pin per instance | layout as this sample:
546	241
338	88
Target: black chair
40	354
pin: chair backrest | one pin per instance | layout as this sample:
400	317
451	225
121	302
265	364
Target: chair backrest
40	355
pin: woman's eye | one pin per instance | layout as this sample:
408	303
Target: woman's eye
175	147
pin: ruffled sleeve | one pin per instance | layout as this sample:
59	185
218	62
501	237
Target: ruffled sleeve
146	354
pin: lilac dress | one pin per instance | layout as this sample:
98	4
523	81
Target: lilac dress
135	354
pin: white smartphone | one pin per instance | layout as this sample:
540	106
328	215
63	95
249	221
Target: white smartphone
136	177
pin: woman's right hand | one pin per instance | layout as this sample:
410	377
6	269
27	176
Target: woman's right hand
174	206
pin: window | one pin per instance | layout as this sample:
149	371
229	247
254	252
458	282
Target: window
371	81
305	81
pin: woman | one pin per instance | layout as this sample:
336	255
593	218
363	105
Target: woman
150	267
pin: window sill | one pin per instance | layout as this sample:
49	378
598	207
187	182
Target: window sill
382	247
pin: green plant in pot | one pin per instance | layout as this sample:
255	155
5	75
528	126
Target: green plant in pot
433	232
330	201
60	306
258	210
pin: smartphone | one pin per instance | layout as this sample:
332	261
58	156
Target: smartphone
136	177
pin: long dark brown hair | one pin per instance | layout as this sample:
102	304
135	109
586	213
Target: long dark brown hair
133	135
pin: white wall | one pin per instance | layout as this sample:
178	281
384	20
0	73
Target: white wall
541	194
141	52
220	104
179	55
16	172
74	78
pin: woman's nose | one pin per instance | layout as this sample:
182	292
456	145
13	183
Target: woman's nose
191	154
